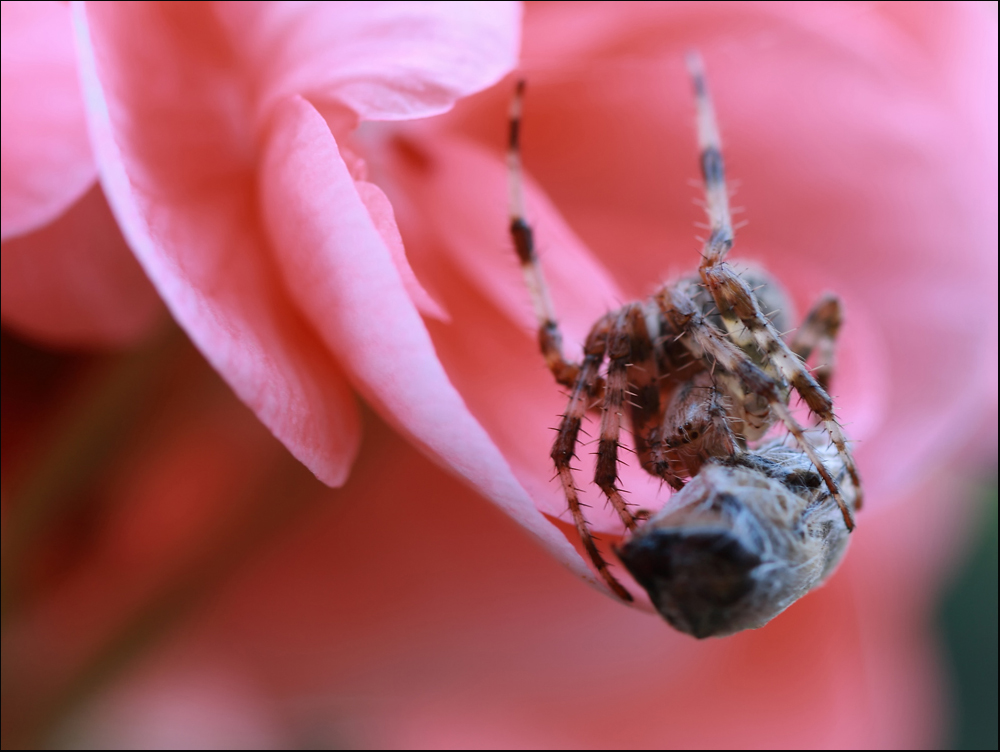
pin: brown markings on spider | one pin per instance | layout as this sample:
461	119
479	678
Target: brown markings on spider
703	375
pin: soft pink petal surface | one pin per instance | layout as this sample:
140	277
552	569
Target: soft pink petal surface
75	281
332	255
382	216
45	157
177	164
68	276
379	61
179	98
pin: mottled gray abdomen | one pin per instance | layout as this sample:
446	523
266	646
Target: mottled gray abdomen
742	541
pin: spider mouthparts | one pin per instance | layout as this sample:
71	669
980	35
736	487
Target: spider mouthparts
695	578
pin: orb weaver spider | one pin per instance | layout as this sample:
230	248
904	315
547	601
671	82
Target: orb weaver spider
754	524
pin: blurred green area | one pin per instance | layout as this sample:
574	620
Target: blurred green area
967	623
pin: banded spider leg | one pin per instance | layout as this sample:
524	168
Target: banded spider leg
608	337
739	309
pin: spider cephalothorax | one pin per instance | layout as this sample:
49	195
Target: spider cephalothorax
704	375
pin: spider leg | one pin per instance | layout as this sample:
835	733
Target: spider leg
720	222
730	291
750	416
819	332
615	387
564	448
734	298
549	335
713	172
644	385
659	464
706	342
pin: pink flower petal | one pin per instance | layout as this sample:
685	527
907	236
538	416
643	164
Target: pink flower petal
175	147
75	282
346	285
45	156
381	61
380	211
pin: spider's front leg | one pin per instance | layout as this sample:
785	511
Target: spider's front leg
564	449
736	302
549	335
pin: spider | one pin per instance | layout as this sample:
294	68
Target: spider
753	524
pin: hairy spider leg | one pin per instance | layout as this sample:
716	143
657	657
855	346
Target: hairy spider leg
720	221
583	379
819	332
549	335
706	342
727	288
721	233
734	298
619	350
564	448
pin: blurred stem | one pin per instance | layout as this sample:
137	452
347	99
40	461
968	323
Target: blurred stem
286	490
69	457
108	413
